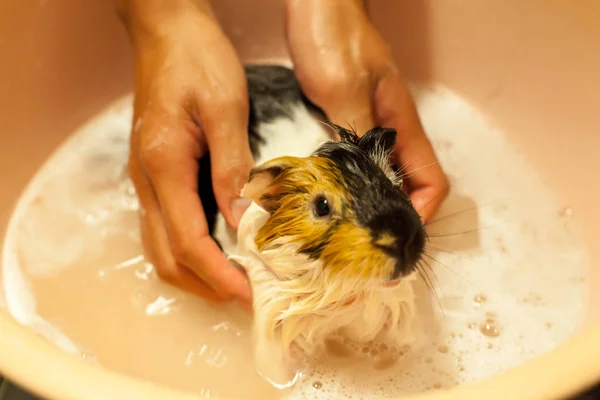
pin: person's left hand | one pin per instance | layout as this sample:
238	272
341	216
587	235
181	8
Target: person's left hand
345	67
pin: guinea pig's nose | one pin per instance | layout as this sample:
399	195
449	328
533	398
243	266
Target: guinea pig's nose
411	250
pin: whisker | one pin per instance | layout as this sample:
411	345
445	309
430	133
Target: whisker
427	282
460	212
429	202
430	285
451	270
409	174
459	233
451	215
440	249
437	282
405	166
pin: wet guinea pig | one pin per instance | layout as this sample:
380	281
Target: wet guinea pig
331	241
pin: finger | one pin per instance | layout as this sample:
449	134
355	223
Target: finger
172	167
225	124
426	180
156	243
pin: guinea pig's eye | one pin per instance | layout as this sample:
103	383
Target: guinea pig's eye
321	206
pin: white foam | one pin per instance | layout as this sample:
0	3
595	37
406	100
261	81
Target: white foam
526	260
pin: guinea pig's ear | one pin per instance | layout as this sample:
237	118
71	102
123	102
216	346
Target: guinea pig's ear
263	178
378	140
379	143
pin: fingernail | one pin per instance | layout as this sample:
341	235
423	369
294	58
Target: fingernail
238	207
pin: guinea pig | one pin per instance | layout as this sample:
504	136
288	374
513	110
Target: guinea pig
331	241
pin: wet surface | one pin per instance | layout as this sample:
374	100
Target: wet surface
495	268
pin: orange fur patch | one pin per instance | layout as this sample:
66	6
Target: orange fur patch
287	189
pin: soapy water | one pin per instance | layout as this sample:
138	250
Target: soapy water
507	277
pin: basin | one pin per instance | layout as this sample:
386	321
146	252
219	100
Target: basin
532	67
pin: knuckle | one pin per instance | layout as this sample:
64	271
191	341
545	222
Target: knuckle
342	79
182	248
336	80
221	175
229	173
166	273
229	99
224	100
153	159
222	183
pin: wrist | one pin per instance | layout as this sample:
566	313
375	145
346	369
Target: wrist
327	11
357	4
156	20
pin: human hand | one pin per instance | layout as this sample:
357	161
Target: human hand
345	67
190	97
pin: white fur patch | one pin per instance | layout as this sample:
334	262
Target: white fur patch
297	305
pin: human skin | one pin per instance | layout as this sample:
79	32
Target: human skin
344	65
191	97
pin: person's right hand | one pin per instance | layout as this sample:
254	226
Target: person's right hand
190	97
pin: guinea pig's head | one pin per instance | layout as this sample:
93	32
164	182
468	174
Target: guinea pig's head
343	206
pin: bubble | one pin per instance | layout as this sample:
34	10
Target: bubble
321	377
480	298
490	328
337	348
385	363
566	212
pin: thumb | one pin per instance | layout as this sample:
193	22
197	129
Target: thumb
230	157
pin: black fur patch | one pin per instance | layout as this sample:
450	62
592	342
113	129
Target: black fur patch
377	203
273	91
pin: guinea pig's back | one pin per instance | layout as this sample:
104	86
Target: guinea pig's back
281	122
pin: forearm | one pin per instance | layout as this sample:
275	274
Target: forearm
156	18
